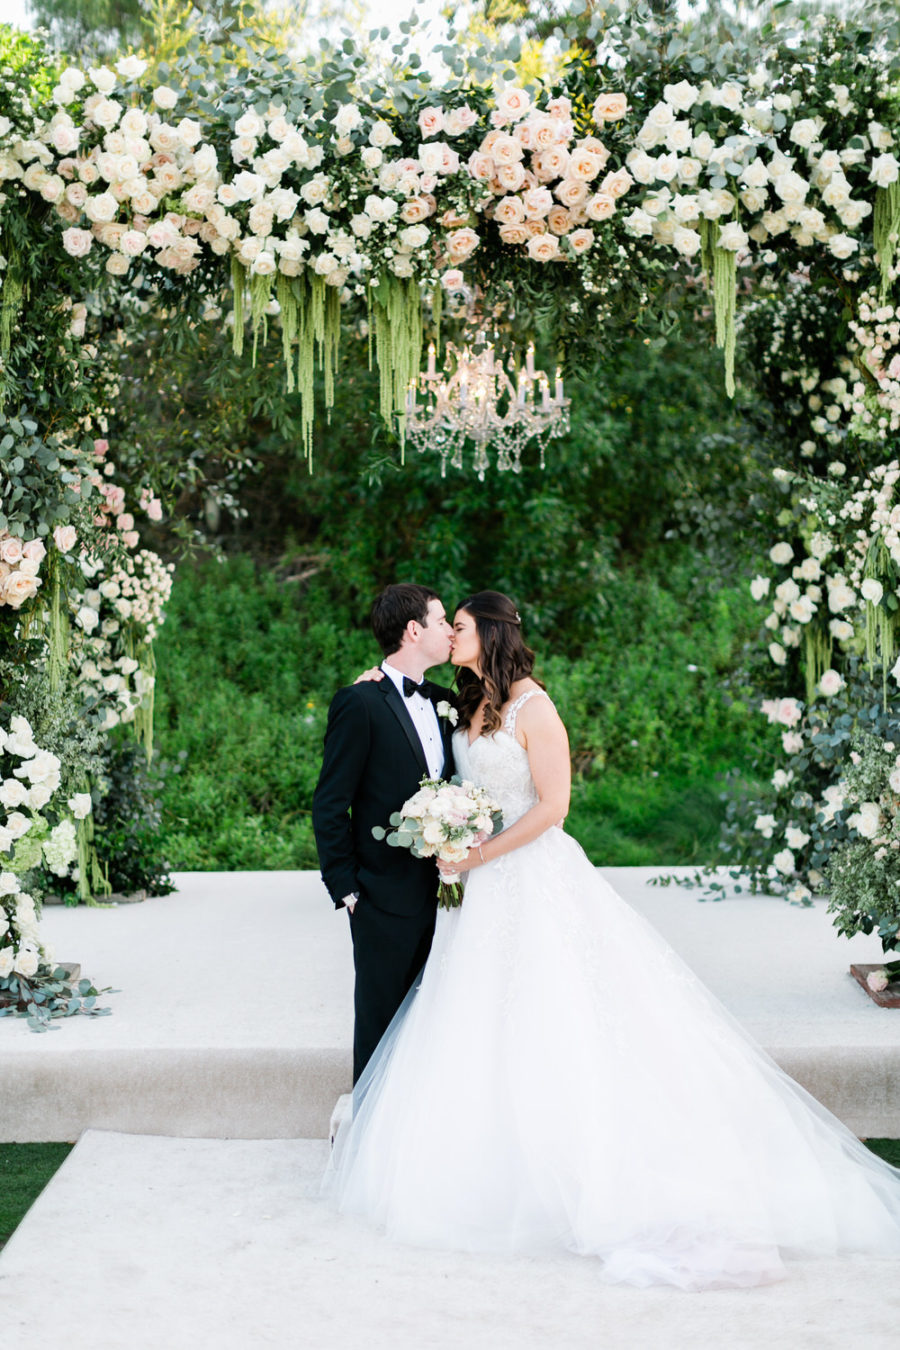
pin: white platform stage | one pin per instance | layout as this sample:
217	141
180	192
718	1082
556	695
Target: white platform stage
235	1013
233	1025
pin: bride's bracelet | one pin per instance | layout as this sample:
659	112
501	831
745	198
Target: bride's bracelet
480	854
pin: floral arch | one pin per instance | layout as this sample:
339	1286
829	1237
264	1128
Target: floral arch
276	200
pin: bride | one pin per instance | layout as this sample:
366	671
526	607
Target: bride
558	1078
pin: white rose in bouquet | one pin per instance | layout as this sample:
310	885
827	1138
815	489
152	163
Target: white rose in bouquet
445	821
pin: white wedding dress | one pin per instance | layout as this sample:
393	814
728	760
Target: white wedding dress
558	1078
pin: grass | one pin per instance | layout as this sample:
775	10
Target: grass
25	1169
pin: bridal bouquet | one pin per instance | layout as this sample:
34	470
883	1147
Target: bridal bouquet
444	820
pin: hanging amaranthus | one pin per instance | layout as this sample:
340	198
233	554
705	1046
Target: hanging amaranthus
395	306
885	231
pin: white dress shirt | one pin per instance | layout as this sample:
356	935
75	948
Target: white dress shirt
424	719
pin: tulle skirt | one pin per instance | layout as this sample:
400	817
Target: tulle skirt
558	1078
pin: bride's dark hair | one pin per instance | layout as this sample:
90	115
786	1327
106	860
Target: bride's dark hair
504	658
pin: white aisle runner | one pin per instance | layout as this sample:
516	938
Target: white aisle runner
145	1243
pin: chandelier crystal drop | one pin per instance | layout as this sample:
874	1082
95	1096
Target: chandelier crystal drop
499	406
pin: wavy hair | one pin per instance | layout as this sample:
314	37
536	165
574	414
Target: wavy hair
504	658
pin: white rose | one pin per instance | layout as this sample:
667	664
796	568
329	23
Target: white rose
131	67
781	553
759	587
639	222
13	792
867	820
686	241
103	79
381	135
831	683
791	188
27	962
347	118
884	171
777	653
732	236
872	590
165	98
784	862
842	246
805	132
80	805
795	838
249	124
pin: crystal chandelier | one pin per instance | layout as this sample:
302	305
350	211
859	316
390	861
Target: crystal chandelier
495	405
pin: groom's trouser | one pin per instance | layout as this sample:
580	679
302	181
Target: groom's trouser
389	950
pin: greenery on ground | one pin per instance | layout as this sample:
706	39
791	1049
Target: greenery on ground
252	659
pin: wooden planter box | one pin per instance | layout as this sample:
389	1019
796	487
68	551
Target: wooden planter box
888	998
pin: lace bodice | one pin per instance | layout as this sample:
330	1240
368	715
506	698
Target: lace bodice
499	763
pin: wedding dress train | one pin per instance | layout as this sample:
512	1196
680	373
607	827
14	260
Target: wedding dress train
558	1078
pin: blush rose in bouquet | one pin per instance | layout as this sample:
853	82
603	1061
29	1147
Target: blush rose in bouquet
444	820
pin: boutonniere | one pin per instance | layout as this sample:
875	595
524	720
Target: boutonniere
445	709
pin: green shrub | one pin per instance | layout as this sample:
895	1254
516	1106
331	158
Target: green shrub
248	664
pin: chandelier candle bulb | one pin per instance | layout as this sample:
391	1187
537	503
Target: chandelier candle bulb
529	361
545	393
431	364
521	394
559	385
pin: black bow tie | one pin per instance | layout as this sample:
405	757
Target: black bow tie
426	688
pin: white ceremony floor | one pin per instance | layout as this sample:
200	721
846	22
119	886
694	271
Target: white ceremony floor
187	1214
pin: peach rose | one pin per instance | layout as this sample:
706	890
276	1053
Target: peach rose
513	234
534	227
17	588
545	132
617	184
537	202
509	177
580	240
459	120
600	207
584	165
452	220
610	107
571	192
461	244
431	121
544	247
560	107
35	550
509	211
10	549
551	163
453	279
65	537
416	209
480	166
559	221
506	150
513	103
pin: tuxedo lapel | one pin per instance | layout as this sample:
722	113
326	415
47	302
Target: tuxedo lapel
395	702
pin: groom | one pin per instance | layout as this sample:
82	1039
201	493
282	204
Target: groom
383	736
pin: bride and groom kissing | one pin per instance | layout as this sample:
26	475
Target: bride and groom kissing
515	1087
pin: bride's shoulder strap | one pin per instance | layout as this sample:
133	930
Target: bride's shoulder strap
509	721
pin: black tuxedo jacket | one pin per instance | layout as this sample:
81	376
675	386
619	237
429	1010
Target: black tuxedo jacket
372	762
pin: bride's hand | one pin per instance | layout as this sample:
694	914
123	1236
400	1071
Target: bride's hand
373	673
472	859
